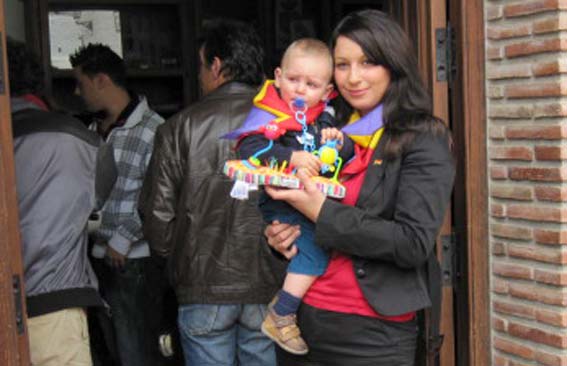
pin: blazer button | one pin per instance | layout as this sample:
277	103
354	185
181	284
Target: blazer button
360	273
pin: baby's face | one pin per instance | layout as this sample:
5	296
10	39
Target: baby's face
304	76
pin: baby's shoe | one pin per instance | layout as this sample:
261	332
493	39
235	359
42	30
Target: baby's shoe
284	331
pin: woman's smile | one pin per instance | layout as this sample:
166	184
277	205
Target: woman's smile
360	81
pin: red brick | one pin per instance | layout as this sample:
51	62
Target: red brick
554	153
538	174
508	71
541	90
554	256
511	232
550	110
519	193
523	291
558	340
551	193
517	363
534	47
550	236
493	12
511	111
514	348
521	311
512	271
553	24
511	153
496	132
537	213
498	172
498	360
551	278
497	210
558	132
549	359
532	7
495	92
499	286
550	296
555	67
498	248
555	318
494	53
499	324
498	33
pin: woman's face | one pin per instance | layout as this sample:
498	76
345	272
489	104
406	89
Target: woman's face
362	83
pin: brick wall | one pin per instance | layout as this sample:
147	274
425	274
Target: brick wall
526	71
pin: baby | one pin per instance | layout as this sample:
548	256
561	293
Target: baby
302	84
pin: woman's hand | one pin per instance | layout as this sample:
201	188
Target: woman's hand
281	237
308	200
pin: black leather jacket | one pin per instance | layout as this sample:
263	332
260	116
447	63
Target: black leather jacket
214	243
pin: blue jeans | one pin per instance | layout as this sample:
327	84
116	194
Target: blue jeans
311	259
133	293
224	335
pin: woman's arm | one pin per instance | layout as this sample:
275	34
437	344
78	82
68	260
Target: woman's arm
423	192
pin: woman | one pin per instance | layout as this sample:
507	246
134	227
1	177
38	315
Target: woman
362	310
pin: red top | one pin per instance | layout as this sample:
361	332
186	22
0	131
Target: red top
337	289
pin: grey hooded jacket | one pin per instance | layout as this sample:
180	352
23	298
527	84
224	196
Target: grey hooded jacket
62	174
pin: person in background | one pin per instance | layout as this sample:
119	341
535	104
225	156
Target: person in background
222	273
361	311
129	279
63	172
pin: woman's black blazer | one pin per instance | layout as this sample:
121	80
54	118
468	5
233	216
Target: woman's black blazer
391	231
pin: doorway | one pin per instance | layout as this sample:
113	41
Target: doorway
465	307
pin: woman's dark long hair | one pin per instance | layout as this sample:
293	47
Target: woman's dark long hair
407	103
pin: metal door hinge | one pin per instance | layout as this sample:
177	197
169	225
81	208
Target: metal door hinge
445	64
19	311
448	249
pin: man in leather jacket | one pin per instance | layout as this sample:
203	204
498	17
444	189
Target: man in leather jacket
222	272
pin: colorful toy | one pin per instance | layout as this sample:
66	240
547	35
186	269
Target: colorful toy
252	172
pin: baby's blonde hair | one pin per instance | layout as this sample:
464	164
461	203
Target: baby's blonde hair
310	47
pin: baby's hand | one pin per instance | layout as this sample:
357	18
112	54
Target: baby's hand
328	134
303	159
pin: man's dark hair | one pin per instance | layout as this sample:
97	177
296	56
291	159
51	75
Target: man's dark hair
97	58
24	70
239	48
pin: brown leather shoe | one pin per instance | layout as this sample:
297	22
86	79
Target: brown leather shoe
284	331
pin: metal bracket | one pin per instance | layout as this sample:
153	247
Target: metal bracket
448	247
444	54
19	312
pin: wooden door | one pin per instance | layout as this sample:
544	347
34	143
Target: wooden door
432	36
468	113
13	333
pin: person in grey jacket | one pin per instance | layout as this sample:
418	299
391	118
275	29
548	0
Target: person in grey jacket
222	274
63	173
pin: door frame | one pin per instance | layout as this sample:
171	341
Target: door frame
463	102
468	105
13	334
